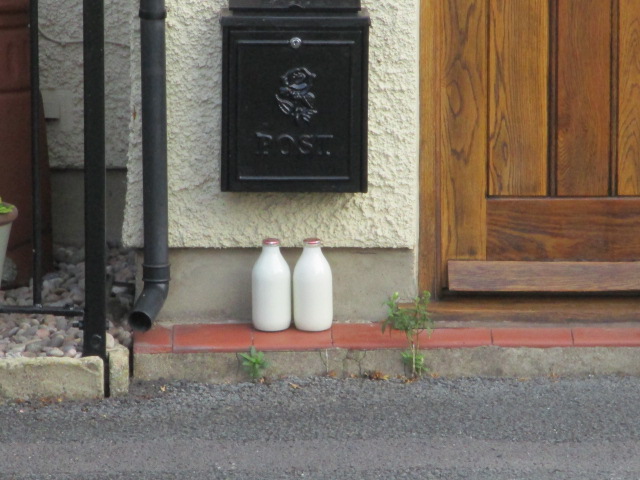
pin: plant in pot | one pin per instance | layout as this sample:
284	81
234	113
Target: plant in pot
8	213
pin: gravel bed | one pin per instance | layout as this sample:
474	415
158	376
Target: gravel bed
55	336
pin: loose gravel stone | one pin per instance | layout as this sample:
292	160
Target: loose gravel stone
56	341
42	333
17	348
34	347
71	353
73	331
61	323
55	336
126	339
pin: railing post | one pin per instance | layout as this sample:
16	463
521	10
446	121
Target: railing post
36	195
94	180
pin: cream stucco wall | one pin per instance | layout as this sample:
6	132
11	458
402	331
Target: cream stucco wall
61	78
203	216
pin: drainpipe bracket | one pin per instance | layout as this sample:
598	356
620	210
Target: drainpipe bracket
156	273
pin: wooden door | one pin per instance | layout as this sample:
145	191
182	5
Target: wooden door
530	146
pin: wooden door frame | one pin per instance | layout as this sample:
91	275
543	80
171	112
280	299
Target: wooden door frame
429	161
479	308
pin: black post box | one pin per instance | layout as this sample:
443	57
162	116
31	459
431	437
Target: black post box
294	106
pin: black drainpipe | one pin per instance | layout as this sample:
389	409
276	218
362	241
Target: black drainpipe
154	166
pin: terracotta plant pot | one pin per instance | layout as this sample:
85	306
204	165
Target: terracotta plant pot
6	220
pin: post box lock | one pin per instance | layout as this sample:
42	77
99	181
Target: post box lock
294	106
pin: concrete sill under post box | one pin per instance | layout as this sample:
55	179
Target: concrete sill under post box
294	107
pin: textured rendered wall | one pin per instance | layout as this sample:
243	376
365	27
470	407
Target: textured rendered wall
202	216
61	75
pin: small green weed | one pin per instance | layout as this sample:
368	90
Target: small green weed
412	320
415	363
254	363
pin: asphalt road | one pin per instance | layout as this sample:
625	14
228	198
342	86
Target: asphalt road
333	429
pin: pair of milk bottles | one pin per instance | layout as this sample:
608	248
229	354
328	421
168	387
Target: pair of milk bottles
312	289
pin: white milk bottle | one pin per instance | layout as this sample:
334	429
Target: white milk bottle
312	289
271	289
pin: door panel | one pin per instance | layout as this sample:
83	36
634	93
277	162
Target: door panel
629	99
577	229
537	137
518	75
584	94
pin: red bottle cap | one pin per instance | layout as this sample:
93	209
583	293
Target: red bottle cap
312	241
271	241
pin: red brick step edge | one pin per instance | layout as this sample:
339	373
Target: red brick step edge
368	336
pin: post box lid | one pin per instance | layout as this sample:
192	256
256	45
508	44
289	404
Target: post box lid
303	5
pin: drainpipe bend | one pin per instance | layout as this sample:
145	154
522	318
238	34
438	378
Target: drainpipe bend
156	272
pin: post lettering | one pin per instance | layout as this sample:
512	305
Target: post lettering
264	143
286	145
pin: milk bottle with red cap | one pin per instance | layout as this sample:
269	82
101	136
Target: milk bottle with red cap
271	289
312	289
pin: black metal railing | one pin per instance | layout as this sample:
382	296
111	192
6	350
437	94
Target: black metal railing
94	321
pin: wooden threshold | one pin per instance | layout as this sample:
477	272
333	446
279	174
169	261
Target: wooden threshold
514	276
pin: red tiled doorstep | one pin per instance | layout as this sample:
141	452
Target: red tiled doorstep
532	337
240	337
291	340
212	338
157	340
606	337
365	336
456	338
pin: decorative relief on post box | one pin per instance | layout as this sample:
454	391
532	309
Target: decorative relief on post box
294	101
295	97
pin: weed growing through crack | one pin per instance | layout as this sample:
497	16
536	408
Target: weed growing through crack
412	320
254	363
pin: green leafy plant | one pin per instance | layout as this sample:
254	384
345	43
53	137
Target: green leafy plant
414	362
412	320
254	363
5	207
